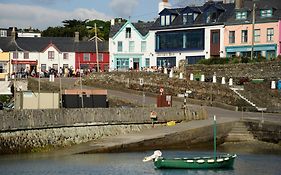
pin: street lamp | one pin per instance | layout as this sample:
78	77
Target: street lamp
253	28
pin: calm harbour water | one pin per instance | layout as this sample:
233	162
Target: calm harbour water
130	164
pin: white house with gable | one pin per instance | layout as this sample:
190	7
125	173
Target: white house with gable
131	46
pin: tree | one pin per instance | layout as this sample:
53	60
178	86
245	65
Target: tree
85	28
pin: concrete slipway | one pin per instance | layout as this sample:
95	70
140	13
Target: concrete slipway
185	134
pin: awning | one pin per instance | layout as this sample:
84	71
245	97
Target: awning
24	62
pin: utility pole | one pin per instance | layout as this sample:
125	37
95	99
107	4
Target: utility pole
253	30
97	50
39	82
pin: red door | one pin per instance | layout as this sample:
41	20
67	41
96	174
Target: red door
215	43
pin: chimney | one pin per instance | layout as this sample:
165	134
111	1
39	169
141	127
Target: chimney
164	4
239	4
13	34
112	22
76	38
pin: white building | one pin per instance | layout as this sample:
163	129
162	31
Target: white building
131	46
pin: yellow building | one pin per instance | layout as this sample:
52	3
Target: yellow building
4	64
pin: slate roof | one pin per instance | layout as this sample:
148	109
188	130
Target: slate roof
38	44
142	27
260	5
226	10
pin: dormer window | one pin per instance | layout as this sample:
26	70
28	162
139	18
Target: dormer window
241	15
166	20
188	18
212	17
266	13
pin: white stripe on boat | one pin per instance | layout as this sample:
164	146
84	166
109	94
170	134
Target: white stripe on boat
211	161
200	161
190	161
226	158
219	160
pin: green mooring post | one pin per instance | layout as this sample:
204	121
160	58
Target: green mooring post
215	139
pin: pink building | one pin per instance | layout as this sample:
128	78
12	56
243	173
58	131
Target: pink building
239	34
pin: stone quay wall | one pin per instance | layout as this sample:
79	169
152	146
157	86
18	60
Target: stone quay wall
40	130
267	131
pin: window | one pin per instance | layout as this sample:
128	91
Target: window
51	54
184	18
3	33
163	21
65	56
180	40
2	70
241	15
270	34
86	57
123	63
131	46
64	66
43	67
266	13
147	62
231	37
168	20
257	33
55	66
143	46
100	57
244	36
26	55
120	46
128	32
15	55
188	18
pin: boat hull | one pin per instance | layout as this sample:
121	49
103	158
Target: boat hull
224	162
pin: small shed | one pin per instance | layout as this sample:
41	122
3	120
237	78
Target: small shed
85	98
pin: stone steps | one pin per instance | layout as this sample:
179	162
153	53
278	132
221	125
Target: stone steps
239	133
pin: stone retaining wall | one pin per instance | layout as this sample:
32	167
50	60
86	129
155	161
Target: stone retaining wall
265	70
40	130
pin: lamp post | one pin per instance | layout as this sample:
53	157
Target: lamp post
97	50
253	30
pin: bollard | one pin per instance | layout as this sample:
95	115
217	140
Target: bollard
273	85
171	75
181	75
191	77
214	79
230	83
202	78
223	80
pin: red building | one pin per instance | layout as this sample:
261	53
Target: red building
86	57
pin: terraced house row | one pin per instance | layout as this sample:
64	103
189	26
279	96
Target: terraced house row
227	28
215	29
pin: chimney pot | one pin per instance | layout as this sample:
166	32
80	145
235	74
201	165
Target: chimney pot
239	4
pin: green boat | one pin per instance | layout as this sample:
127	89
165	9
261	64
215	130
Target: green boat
214	162
224	161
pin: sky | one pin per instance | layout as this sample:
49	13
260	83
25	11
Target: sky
41	14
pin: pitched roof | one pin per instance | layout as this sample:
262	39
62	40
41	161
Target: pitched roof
275	5
38	44
142	27
225	9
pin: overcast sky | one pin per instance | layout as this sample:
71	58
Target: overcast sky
44	13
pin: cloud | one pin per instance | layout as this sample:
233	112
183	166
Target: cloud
123	8
23	16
